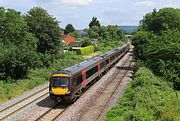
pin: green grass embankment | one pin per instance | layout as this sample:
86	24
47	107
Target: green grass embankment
147	98
36	77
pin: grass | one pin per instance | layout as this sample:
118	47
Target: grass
147	98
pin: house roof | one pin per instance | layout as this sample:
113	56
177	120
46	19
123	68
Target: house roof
69	39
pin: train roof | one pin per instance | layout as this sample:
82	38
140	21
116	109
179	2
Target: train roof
84	64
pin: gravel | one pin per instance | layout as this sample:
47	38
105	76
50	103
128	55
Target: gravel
95	111
26	94
74	112
17	99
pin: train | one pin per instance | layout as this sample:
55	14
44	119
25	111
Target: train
68	84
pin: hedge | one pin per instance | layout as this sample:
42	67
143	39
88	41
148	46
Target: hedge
85	50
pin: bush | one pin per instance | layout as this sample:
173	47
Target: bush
15	61
86	42
141	40
85	50
160	53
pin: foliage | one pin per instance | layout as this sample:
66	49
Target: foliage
160	53
86	42
93	32
141	40
68	29
94	22
36	77
147	98
106	45
17	46
157	46
45	28
109	32
75	34
107	37
85	50
165	18
164	54
31	49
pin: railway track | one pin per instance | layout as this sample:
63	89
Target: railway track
53	113
95	111
57	109
10	110
91	106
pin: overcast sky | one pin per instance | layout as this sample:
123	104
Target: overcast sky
80	12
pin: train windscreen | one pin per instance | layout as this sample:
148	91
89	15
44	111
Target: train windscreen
60	81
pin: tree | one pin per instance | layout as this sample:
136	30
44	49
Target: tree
93	32
69	29
94	22
17	46
75	34
160	53
165	18
45	28
86	41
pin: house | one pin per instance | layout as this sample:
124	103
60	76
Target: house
83	34
70	41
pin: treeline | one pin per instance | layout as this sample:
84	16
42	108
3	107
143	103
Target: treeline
103	38
26	41
107	37
157	43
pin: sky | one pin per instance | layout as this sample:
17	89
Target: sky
80	12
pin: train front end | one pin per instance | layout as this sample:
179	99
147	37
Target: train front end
59	87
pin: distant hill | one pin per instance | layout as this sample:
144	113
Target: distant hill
129	28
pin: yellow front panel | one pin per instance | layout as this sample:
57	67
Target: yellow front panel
63	75
60	91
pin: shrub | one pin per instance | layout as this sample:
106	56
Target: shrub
160	53
85	50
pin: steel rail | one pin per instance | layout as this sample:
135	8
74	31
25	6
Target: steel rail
10	114
124	63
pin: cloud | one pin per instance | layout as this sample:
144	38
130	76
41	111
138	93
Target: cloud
110	11
106	1
171	4
18	5
76	3
145	3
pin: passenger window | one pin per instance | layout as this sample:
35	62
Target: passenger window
92	71
79	79
102	64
